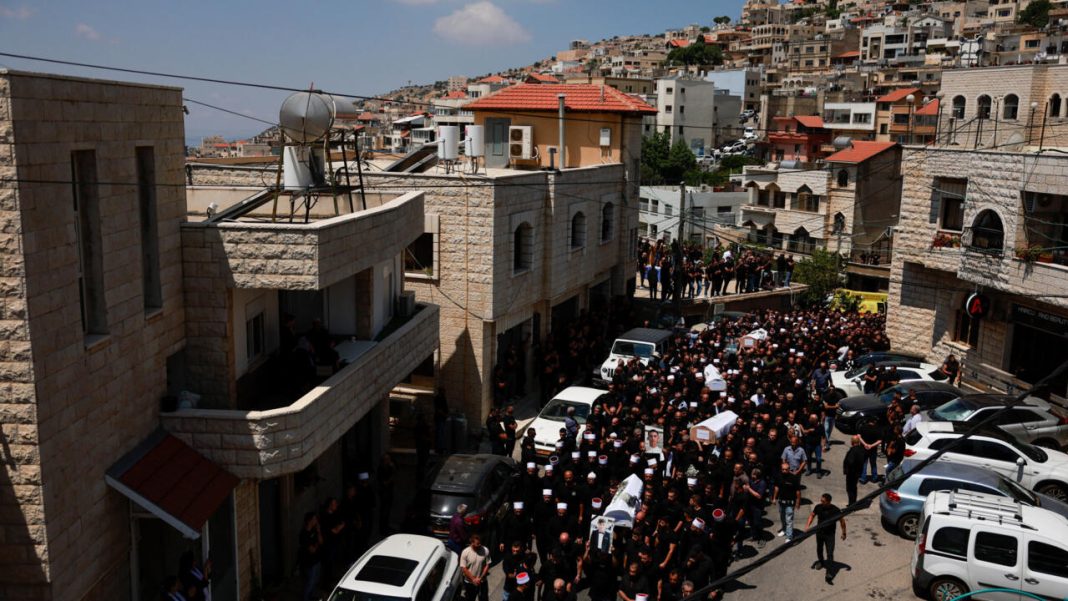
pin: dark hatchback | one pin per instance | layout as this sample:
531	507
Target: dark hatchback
852	411
482	482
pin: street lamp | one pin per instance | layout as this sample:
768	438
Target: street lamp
911	99
939	95
1031	121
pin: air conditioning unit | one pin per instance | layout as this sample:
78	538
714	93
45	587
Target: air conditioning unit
521	142
406	304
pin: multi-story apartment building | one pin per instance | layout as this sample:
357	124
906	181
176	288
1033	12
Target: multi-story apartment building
846	207
1005	107
744	83
983	230
522	249
152	404
853	119
802	138
627	85
695	111
659	208
894	110
816	53
448	110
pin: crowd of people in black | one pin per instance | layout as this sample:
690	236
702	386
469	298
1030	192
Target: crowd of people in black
696	271
703	499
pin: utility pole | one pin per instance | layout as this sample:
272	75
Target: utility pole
678	250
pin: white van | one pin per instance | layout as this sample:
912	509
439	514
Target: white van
971	541
645	344
402	567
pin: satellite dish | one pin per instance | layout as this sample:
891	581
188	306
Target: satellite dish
306	116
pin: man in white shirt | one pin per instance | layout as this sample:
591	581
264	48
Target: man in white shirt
915	417
474	564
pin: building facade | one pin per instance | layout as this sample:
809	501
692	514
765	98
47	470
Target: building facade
694	111
990	224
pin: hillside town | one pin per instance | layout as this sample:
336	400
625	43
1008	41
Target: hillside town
769	306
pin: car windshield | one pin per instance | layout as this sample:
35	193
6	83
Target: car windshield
347	595
556	411
445	503
633	349
957	410
1016	491
856	371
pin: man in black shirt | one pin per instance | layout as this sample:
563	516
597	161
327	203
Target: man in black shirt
852	466
787	496
824	511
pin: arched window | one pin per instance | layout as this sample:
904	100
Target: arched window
843	178
1055	105
578	230
608	215
988	234
1011	109
772	237
839	223
801	242
983	104
959	104
522	247
805	200
778	197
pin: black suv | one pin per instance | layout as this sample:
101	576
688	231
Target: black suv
853	411
482	482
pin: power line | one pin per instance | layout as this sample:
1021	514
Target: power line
226	110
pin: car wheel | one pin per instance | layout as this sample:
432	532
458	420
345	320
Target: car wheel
1054	489
1047	443
944	588
909	525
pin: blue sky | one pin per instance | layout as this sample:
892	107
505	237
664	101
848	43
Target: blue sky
360	46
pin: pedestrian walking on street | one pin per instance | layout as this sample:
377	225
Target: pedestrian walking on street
457	530
823	512
475	565
852	465
787	496
871	436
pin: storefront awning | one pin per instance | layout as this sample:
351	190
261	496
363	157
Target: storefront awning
172	481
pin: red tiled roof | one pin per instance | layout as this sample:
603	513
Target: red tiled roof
814	121
929	110
578	97
365	116
456	94
850	54
678	43
897	95
860	151
493	79
541	78
167	477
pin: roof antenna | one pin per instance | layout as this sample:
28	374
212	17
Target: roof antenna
602	93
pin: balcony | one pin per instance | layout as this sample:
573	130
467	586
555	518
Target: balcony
274	442
296	243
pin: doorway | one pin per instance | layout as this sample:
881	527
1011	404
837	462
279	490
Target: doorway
497	142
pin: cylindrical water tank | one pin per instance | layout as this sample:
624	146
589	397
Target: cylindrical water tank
449	149
476	141
306	116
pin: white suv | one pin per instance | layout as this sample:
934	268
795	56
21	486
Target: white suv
1041	470
1033	421
402	567
971	541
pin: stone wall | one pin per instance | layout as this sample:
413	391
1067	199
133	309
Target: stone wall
96	398
259	445
23	539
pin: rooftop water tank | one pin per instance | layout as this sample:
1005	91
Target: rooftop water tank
306	117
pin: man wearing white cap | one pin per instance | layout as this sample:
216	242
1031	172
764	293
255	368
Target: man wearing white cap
515	526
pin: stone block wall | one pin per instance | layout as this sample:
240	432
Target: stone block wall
95	398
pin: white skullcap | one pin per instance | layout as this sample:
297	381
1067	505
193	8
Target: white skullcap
363	476
517	505
591	475
522	578
531	465
649	471
546	492
561	505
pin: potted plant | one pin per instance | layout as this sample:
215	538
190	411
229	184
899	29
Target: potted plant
943	240
1028	254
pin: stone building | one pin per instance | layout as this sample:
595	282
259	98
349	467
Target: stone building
696	112
990	224
1005	108
148	406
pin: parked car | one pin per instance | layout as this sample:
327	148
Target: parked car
971	541
551	418
861	363
1034	420
854	410
746	115
642	343
734	147
902	507
749	134
402	567
482	482
1041	470
850	383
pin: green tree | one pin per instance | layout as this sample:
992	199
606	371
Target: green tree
698	53
722	20
655	151
1036	14
820	271
680	161
706	29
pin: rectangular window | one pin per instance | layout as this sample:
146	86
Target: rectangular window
966	329
682	110
668	210
254	338
146	200
949	195
419	257
90	251
667	108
